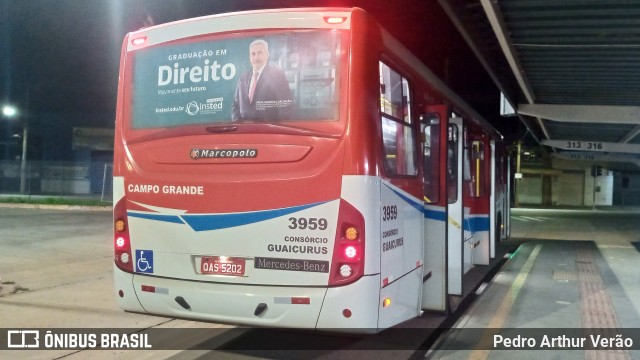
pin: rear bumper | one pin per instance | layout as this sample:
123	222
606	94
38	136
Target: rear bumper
237	304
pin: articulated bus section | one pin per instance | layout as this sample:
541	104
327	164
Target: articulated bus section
297	168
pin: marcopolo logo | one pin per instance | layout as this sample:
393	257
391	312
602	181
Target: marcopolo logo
196	153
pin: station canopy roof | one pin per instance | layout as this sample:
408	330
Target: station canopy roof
571	68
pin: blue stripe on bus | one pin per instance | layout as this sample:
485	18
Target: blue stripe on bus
473	224
223	221
157	217
476	224
428	214
435	215
415	204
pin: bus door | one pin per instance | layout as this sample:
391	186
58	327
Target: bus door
494	230
476	199
455	210
507	195
433	127
401	206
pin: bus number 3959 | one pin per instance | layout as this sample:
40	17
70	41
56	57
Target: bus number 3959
308	223
389	212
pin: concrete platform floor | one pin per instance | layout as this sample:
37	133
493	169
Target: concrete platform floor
575	277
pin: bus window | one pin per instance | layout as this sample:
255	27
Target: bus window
430	124
397	134
208	80
399	149
452	164
477	168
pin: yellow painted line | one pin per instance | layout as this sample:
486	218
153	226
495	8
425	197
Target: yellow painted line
502	313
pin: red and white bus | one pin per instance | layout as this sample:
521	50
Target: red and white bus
353	197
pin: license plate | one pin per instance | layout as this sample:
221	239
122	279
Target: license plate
222	265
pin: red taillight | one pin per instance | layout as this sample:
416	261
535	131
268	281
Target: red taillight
347	264
121	242
350	252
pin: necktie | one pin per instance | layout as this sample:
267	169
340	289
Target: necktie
252	89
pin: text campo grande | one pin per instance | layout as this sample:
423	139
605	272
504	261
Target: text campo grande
166	189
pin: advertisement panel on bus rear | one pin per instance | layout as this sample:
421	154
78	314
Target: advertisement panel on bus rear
275	77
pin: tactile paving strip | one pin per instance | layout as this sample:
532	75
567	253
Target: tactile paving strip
595	303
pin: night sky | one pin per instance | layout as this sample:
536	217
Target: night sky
62	56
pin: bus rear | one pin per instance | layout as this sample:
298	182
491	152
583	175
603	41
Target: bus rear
229	193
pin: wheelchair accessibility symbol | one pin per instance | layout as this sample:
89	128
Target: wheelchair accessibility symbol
144	261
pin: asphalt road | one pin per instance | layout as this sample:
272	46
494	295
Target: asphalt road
56	270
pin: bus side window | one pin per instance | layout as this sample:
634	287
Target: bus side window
477	168
430	124
452	164
398	135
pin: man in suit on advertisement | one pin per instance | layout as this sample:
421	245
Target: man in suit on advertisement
262	92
